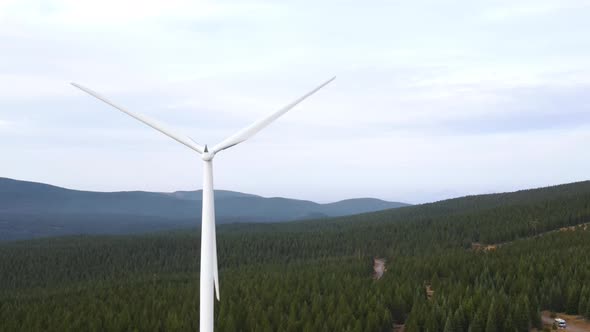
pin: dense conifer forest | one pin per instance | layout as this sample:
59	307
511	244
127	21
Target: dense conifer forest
317	275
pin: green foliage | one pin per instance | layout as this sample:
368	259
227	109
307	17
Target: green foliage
316	275
477	324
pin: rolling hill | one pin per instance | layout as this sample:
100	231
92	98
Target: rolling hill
29	209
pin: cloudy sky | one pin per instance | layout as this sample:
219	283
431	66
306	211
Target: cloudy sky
434	99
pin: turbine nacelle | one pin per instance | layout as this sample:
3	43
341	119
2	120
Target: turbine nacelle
206	155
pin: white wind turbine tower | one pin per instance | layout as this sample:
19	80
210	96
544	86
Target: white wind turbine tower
209	273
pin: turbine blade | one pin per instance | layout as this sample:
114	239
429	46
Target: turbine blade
146	120
215	267
257	126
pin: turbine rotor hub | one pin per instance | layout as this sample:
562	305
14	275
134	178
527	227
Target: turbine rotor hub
207	156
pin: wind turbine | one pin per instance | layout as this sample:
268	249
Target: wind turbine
209	274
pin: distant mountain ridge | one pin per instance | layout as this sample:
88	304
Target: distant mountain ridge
197	195
30	209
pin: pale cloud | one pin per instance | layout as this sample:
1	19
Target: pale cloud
26	86
432	99
4	123
522	9
84	14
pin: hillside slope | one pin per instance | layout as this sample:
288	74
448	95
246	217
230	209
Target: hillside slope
29	209
316	275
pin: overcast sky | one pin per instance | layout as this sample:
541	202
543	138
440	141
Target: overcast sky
434	99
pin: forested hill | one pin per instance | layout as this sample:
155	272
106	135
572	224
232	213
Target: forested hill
316	276
489	218
29	209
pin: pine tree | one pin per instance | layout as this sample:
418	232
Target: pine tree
583	301
371	324
508	323
492	322
537	320
459	320
386	320
573	299
521	315
477	324
358	327
398	308
556	298
430	324
412	325
229	323
449	325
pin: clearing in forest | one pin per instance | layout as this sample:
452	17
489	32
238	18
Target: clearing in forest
574	323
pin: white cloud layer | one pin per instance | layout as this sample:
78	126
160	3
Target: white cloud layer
432	99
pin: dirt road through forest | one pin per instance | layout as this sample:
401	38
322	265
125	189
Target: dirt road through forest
574	323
